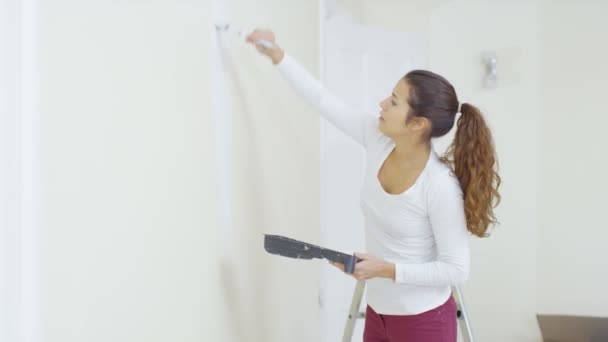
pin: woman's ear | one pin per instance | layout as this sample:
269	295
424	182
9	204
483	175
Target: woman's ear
420	123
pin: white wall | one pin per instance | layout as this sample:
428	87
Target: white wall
572	263
127	241
276	182
131	245
19	174
9	172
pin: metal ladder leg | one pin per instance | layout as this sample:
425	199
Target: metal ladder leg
354	313
463	318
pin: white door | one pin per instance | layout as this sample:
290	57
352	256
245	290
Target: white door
361	65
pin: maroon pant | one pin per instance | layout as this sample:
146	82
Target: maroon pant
435	325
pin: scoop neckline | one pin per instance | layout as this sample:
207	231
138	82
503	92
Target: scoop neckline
409	189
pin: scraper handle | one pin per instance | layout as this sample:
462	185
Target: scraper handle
349	264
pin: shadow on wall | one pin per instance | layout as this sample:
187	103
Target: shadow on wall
242	272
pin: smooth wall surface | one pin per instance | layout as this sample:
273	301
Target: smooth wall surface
131	247
9	173
572	263
128	243
276	182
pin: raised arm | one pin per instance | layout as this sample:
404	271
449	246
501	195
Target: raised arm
354	123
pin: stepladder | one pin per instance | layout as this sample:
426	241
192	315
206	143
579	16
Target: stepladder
354	313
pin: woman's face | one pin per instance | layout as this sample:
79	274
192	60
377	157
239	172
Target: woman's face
394	113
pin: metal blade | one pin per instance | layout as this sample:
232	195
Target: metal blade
290	248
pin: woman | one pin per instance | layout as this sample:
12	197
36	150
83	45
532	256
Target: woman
419	208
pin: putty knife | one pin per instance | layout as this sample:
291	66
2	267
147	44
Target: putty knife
280	245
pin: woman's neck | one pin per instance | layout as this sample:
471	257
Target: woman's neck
411	155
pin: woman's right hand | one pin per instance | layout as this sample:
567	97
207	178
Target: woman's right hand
275	53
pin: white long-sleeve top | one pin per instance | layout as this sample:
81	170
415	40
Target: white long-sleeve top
422	230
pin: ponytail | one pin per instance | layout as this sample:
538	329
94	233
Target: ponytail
472	158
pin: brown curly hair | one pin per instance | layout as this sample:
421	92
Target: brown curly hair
471	156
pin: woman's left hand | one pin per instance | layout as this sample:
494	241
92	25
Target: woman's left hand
370	267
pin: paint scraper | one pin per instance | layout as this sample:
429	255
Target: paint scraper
284	246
